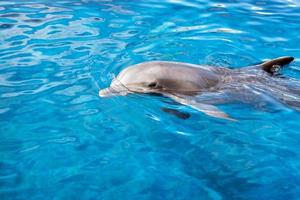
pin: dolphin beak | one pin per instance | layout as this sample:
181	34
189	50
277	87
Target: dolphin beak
106	92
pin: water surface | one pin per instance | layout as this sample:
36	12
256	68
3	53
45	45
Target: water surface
59	140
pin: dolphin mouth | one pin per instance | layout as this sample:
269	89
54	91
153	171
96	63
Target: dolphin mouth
110	91
106	92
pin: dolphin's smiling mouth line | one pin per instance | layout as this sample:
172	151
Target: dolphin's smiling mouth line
111	91
120	89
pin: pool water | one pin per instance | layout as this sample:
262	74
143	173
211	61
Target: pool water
59	140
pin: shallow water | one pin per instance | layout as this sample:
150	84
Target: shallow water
59	140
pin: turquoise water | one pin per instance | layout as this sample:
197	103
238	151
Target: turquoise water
59	140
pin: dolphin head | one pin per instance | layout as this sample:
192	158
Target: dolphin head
134	79
160	77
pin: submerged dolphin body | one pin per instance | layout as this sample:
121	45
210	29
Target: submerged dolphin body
202	87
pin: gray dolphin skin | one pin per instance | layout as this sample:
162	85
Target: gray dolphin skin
203	87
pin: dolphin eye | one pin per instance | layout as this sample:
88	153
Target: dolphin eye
152	84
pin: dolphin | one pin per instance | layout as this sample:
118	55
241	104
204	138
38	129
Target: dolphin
203	87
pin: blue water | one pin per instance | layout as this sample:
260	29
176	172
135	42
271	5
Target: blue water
59	140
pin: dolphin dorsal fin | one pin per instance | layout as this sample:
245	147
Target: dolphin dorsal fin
272	66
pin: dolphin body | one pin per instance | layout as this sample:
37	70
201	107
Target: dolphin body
202	87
